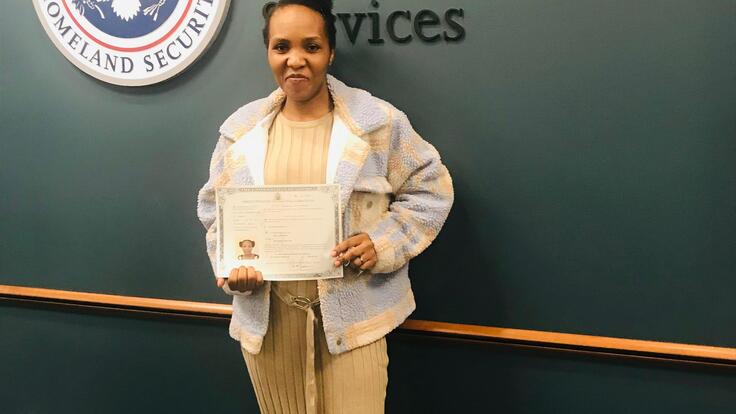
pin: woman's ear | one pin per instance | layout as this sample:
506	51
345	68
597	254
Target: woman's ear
332	56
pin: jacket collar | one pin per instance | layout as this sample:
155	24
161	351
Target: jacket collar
347	151
358	109
344	145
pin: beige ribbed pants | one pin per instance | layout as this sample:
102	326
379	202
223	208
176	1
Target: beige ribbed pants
351	382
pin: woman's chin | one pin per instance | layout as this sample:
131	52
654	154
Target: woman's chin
298	97
298	93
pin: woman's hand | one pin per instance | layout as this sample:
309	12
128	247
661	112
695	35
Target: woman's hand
242	279
357	250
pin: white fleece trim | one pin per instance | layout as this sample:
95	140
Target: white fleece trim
372	329
338	141
255	144
250	342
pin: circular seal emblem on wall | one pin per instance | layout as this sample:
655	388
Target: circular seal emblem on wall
132	42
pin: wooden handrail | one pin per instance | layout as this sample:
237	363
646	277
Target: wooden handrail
135	302
557	340
590	342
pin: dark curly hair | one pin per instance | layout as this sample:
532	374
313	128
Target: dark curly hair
253	244
323	7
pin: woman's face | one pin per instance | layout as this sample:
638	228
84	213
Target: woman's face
247	247
298	51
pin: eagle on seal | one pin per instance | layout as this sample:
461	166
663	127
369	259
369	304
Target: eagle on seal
124	9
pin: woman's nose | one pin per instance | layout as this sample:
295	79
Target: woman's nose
295	60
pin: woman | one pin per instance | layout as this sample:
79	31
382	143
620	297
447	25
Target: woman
395	193
247	247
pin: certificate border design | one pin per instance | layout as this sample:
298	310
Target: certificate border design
333	191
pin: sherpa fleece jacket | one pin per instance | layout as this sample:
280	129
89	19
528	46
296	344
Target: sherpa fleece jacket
393	186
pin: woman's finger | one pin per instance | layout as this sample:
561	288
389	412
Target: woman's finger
364	250
354	252
252	279
370	254
365	261
366	257
232	281
348	243
242	279
367	253
259	275
346	252
369	264
358	254
349	255
340	248
344	257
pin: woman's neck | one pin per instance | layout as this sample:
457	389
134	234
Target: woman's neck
315	108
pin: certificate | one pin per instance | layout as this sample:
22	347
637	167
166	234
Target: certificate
284	231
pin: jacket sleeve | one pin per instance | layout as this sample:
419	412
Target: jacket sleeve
206	205
423	192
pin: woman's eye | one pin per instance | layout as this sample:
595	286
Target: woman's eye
312	47
280	47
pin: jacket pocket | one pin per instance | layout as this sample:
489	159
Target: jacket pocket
370	198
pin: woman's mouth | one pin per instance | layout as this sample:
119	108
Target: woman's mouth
296	79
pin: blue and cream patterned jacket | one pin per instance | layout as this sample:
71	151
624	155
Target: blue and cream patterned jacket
393	186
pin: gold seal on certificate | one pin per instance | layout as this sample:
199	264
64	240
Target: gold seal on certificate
284	231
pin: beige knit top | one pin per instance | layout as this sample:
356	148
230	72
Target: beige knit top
297	154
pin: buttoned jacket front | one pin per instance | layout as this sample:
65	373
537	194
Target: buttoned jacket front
393	186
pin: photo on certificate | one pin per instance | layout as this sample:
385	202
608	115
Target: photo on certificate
284	231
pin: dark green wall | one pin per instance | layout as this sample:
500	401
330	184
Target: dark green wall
593	150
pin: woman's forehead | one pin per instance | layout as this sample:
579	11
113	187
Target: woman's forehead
296	21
